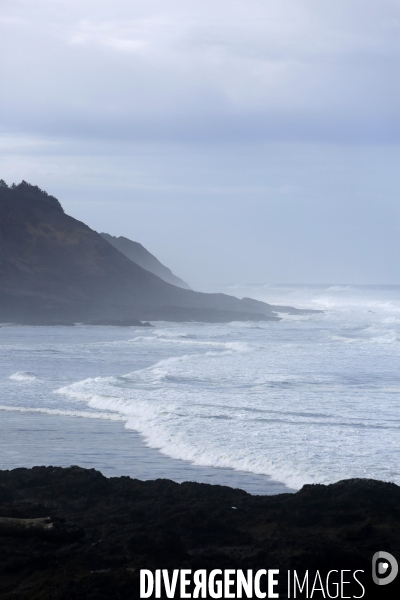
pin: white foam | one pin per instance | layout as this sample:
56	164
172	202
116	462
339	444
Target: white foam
311	399
64	413
23	376
230	408
299	317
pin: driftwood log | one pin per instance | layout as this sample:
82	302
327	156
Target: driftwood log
49	528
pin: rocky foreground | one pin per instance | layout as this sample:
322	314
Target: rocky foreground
106	530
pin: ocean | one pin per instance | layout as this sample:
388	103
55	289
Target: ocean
264	406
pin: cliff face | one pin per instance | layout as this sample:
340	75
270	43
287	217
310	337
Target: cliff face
53	263
142	257
53	267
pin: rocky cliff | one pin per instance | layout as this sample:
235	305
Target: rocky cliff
142	257
54	269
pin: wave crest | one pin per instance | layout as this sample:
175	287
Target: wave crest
23	376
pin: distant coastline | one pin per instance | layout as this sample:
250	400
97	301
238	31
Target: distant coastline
55	270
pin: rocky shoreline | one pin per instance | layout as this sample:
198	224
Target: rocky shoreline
123	525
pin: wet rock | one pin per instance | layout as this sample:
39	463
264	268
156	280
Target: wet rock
131	524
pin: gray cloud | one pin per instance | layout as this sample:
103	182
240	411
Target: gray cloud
251	140
202	70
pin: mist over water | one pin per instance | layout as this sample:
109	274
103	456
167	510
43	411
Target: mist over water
309	399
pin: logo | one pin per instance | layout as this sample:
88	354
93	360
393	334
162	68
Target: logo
384	568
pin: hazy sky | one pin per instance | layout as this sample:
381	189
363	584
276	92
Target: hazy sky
238	140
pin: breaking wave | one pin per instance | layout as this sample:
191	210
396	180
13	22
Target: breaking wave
64	413
23	376
236	405
312	399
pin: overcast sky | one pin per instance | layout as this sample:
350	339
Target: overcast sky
238	140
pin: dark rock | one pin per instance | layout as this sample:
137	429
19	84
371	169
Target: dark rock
131	524
47	528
